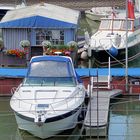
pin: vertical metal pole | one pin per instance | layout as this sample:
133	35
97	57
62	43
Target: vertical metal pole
90	92
126	50
112	22
97	109
109	73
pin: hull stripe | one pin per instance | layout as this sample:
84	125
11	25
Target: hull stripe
53	119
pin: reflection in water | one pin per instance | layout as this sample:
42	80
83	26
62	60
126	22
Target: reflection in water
124	123
68	135
124	120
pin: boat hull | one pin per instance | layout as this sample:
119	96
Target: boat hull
101	58
51	126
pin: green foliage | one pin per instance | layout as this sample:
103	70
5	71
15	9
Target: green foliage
25	43
47	44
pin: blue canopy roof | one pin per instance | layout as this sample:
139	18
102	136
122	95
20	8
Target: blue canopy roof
36	22
50	58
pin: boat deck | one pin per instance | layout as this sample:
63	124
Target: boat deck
97	112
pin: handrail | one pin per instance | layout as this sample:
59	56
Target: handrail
53	105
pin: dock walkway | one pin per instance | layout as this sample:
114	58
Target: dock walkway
96	119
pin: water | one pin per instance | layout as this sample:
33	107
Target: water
124	120
124	123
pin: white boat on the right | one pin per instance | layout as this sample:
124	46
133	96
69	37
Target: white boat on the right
112	35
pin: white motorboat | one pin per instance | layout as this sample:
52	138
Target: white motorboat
50	98
110	39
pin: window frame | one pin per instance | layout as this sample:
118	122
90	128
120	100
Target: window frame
48	36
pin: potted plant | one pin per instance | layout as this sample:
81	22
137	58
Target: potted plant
46	46
72	45
25	44
16	52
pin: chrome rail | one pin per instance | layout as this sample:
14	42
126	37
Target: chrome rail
76	95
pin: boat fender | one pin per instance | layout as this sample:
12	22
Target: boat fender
113	51
84	55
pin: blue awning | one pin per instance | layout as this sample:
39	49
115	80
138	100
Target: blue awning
13	72
104	71
36	22
19	72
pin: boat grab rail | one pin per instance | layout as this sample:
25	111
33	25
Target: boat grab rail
76	95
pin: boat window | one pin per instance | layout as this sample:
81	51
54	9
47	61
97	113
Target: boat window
51	72
105	24
137	23
49	81
124	25
116	24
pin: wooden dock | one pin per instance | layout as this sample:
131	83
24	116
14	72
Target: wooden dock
96	119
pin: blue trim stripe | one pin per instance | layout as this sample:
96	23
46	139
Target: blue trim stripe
50	58
37	22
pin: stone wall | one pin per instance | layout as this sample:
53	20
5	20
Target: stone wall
74	4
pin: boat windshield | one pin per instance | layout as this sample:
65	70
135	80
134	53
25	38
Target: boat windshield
116	24
50	73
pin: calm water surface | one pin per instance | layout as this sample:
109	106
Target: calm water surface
124	123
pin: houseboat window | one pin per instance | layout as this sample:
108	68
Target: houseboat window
50	73
129	25
105	24
40	36
54	36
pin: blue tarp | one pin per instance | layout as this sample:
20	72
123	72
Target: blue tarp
13	72
104	71
36	22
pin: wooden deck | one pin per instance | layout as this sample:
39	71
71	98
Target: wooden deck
97	112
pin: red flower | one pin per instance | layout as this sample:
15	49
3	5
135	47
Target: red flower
17	52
